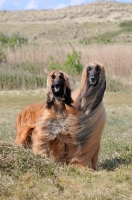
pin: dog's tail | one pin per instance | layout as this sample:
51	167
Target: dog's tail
23	131
26	121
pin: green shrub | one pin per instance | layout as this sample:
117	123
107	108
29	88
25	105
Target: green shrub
12	41
72	62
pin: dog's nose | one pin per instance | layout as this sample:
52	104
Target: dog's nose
93	78
56	83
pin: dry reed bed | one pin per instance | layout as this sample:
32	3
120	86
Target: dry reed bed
117	58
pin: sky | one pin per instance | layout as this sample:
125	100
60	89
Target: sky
43	4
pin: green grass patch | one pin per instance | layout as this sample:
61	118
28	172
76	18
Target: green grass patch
12	41
126	25
117	85
105	38
22	76
110	37
27	176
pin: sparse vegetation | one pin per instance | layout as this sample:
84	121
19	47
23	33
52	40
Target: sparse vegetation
22	76
126	24
2	55
12	41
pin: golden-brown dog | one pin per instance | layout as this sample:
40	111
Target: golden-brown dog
88	99
54	133
26	120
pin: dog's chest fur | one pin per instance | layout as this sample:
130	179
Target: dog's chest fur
59	125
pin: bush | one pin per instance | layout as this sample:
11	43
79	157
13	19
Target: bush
72	63
12	41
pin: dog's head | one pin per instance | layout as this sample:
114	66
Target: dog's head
93	74
93	83
57	84
58	88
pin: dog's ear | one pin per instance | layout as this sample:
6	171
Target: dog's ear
67	93
100	93
67	96
50	101
45	70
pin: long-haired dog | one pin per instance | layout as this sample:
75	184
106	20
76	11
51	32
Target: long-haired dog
88	99
58	96
54	133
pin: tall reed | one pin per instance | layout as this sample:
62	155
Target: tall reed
115	57
24	65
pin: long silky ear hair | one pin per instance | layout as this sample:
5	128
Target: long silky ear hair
93	95
50	100
101	87
67	91
67	97
50	97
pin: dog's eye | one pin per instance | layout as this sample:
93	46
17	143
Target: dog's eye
89	68
98	68
53	76
61	76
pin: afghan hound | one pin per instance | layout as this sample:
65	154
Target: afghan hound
26	120
54	133
88	99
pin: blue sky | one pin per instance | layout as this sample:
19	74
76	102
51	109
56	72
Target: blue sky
42	4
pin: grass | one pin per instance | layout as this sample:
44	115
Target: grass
27	176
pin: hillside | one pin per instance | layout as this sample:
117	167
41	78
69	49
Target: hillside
71	24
